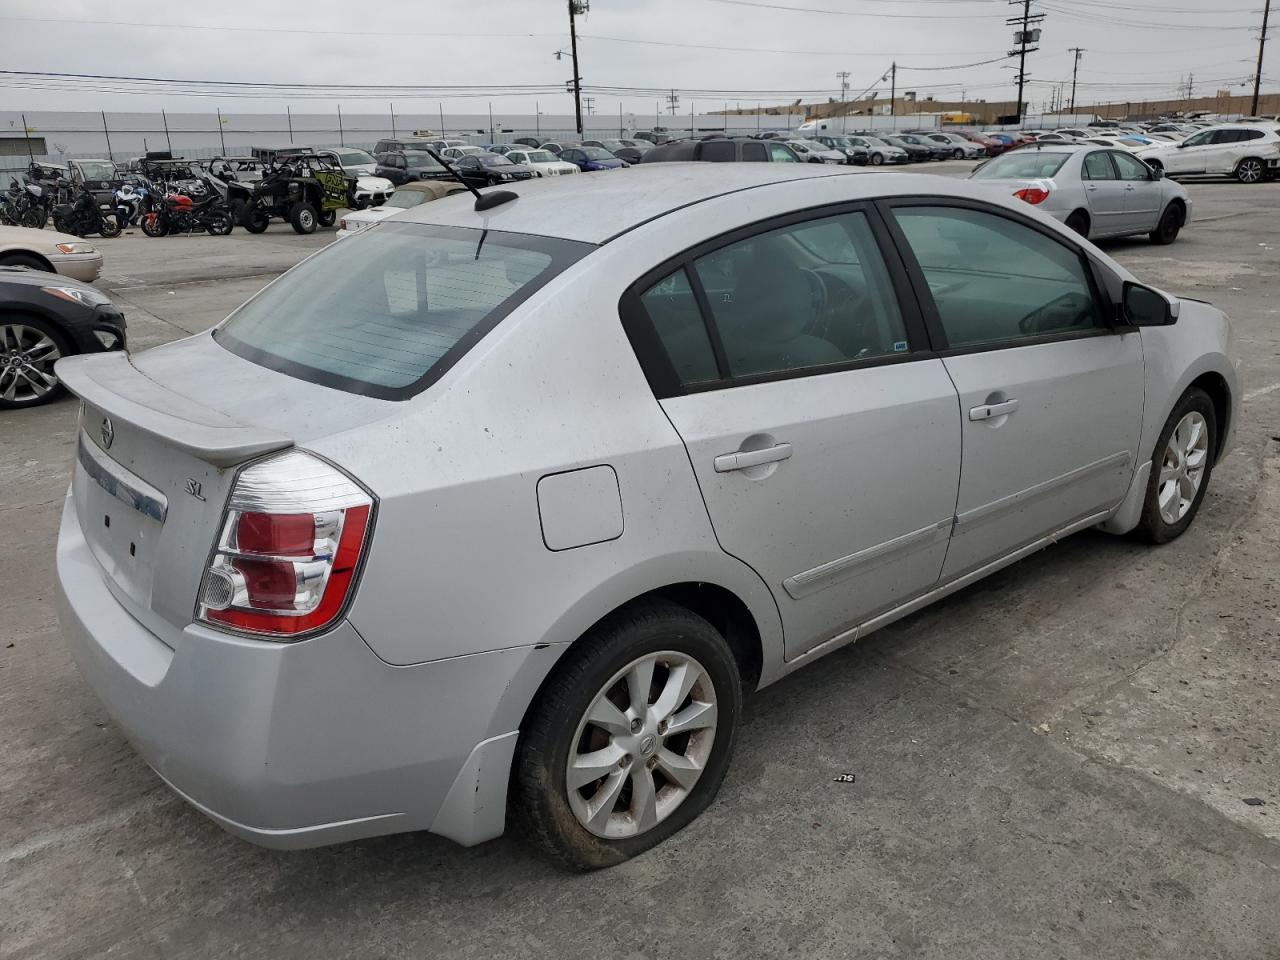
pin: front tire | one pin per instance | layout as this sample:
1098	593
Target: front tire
303	218
957	154
155	225
877	159
1250	170
1170	224
1180	468
630	738
109	227
29	347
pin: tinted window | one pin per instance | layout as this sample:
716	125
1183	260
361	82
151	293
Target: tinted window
1249	134
1097	166
1200	139
678	322
754	153
806	295
719	151
993	279
383	312
1130	167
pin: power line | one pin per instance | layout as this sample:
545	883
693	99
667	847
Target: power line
860	13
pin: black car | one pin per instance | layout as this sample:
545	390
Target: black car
406	166
723	150
44	317
857	155
916	152
486	169
936	150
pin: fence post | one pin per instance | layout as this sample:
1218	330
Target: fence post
289	116
441	106
166	132
221	139
393	120
26	133
341	137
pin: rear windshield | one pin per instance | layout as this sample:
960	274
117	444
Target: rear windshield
386	312
1022	165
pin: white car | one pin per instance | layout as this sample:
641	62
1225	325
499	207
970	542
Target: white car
370	190
543	162
410	195
961	149
502	506
457	153
1248	153
811	151
51	251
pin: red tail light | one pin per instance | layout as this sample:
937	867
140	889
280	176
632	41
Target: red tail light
286	560
1032	195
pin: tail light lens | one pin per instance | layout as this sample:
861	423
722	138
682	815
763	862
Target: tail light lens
1032	195
342	224
289	550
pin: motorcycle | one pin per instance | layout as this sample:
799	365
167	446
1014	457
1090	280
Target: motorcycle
178	213
24	205
131	201
82	216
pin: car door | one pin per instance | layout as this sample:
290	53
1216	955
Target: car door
823	434
1143	193
396	169
1192	155
1051	395
1104	193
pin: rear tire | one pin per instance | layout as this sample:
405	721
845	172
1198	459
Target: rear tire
302	217
1250	170
1176	471
254	218
1079	223
220	225
327	218
595	680
1170	223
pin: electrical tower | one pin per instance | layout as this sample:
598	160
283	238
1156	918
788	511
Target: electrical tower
673	102
1024	37
589	103
1075	69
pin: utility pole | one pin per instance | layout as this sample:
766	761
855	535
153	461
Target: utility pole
843	77
1079	52
1262	43
576	7
893	89
1023	38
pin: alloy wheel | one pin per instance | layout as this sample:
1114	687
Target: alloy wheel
1249	171
642	745
27	356
1182	469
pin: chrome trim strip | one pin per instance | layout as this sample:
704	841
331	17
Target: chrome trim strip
803	584
129	488
867	627
996	507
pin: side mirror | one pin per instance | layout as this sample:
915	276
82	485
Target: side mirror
1157	173
1181	144
1147	307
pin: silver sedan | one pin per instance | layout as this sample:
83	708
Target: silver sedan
505	502
1097	192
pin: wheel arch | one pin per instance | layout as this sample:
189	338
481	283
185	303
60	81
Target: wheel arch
44	261
1219	391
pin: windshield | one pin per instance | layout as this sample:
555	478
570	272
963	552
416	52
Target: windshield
1022	164
96	169
386	312
596	153
541	156
421	161
353	158
404	199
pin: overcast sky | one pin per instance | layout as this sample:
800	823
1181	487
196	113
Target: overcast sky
1135	50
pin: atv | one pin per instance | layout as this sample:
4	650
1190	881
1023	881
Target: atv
299	187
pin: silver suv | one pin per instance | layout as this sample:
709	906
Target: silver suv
503	504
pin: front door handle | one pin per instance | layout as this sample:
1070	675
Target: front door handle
989	410
741	459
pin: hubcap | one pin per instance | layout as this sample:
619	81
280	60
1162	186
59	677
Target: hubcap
26	363
1250	171
642	745
1182	470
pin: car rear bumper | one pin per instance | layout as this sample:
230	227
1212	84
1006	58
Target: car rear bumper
85	267
301	744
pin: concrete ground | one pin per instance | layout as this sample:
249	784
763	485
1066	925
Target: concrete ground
1053	763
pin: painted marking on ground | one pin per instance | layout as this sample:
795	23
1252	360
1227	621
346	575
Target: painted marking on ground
1261	392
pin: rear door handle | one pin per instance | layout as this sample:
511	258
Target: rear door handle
740	460
989	410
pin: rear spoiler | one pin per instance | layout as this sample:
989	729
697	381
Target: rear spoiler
111	383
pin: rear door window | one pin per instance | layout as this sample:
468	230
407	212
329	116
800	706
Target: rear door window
719	151
753	153
386	313
677	320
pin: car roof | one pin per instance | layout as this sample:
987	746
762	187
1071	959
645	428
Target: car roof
597	209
